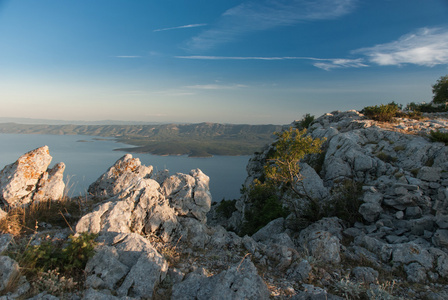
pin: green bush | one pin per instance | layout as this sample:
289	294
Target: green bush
264	206
70	258
416	109
226	207
437	136
382	113
306	121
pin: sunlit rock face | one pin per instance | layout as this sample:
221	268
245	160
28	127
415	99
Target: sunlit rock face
29	179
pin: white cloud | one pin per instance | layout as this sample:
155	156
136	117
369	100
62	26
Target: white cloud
328	64
259	15
180	27
425	47
322	63
216	86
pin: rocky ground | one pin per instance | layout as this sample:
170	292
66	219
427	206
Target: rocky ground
159	237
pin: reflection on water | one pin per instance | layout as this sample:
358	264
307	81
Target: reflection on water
87	157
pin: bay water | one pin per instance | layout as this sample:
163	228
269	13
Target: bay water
88	157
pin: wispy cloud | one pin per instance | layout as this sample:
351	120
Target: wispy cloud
216	86
322	63
180	27
260	15
425	47
337	63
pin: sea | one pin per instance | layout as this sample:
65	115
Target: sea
88	157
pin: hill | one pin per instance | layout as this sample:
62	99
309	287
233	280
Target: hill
202	139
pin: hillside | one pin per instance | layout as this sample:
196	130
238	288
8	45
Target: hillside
203	139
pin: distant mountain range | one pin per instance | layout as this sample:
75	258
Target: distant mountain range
73	122
202	139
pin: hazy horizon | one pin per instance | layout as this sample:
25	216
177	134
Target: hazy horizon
231	62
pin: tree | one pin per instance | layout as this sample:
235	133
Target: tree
284	164
440	90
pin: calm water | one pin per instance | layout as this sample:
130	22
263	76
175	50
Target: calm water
86	161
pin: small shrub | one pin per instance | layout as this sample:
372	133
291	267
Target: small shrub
265	206
70	258
306	121
347	201
226	207
382	113
415	110
437	136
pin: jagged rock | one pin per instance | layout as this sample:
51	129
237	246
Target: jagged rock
411	252
189	194
272	229
370	211
106	269
312	185
429	174
29	179
142	209
416	272
365	274
92	294
300	271
128	264
238	282
46	296
123	175
440	238
5	240
9	272
51	185
322	240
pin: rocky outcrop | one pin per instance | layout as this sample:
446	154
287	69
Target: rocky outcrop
400	182
29	179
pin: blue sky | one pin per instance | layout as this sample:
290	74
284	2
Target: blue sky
226	61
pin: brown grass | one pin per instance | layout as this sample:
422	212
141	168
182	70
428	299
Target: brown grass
25	220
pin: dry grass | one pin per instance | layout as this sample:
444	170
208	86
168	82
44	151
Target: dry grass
23	220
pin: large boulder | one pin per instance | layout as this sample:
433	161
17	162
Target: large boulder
124	174
29	179
189	194
126	263
238	282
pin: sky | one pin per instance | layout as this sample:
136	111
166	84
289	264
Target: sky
223	61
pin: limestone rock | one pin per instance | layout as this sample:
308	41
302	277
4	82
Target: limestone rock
366	275
125	173
9	272
51	185
189	194
322	240
29	179
238	282
127	263
5	240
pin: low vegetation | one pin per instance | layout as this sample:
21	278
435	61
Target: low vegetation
26	220
438	136
54	266
382	113
264	206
